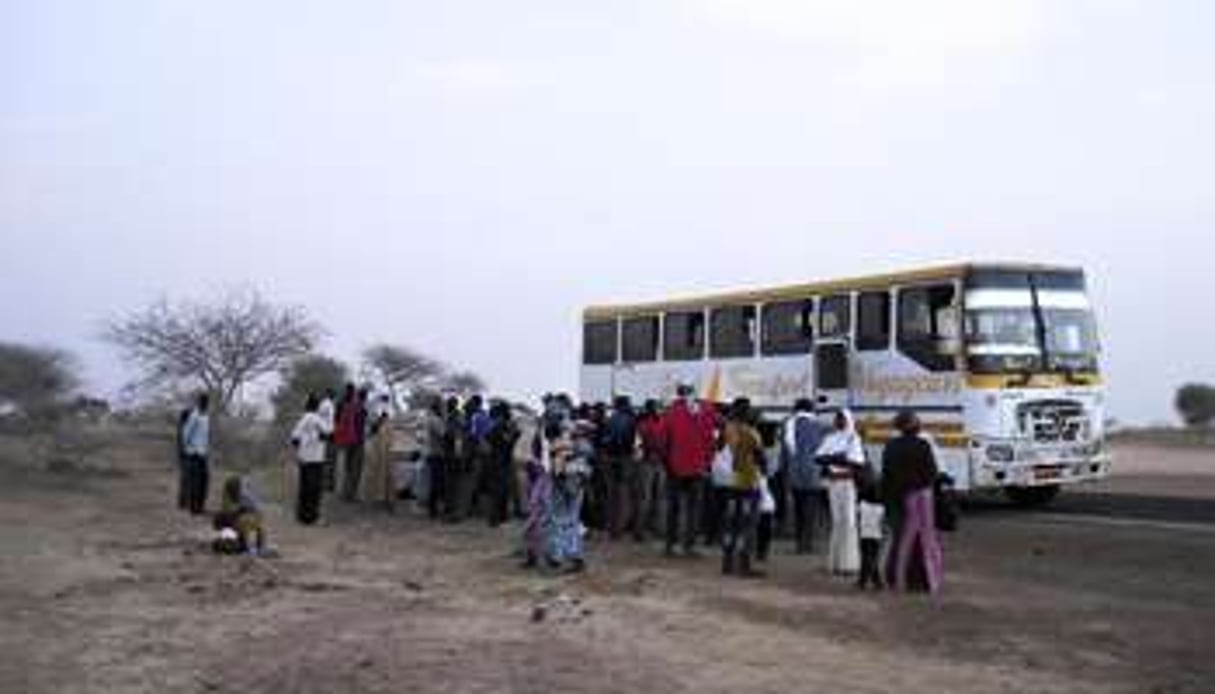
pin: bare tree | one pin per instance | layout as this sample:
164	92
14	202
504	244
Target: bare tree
219	346
35	380
403	370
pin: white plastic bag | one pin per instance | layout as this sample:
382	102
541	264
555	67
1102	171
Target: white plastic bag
767	502
723	468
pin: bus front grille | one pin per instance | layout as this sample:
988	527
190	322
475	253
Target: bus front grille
1054	421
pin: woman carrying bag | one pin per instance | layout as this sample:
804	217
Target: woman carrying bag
842	457
746	457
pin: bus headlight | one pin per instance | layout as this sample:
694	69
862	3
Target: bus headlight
1001	453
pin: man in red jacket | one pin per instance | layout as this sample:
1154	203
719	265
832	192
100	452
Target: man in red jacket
689	429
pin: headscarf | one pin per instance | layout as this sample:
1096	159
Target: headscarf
844	442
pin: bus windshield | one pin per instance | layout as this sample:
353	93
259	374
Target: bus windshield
1071	338
1007	340
1003	340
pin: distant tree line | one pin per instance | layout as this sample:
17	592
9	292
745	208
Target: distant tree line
38	382
1196	404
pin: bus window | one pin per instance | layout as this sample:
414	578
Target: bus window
599	342
920	330
683	336
835	316
733	332
640	338
831	367
873	322
788	328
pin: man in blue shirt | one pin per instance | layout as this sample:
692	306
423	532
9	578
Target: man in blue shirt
803	435
195	445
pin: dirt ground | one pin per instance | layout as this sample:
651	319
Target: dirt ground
104	587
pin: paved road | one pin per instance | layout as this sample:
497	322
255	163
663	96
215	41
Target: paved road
1115	506
1136	507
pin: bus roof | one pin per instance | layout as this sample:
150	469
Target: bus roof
803	290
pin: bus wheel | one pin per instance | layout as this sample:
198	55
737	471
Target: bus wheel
1029	497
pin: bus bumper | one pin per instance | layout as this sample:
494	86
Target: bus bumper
1039	469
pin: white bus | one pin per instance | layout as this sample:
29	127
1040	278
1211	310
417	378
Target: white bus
1000	361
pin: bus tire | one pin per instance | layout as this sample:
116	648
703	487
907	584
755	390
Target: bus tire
1031	497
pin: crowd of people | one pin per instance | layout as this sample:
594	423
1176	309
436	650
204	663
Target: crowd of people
689	473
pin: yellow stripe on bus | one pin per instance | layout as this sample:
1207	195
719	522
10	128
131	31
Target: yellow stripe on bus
1041	380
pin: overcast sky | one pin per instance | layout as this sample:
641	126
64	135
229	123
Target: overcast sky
464	176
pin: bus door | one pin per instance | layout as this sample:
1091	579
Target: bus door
831	373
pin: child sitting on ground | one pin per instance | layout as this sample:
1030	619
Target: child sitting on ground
871	515
239	521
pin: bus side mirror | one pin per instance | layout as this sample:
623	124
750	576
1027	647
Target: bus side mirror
949	331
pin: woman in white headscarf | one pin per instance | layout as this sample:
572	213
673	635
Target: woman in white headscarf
842	457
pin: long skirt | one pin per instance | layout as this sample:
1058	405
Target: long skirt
567	521
918	553
377	480
844	555
538	529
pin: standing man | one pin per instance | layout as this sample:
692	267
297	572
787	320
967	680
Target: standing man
436	459
648	482
454	450
328	415
308	439
183	468
689	429
803	435
499	467
478	454
196	443
620	450
349	436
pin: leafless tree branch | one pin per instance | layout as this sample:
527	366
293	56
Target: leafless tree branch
219	346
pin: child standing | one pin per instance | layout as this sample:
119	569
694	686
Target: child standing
872	516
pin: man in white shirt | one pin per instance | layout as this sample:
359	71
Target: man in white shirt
308	438
327	411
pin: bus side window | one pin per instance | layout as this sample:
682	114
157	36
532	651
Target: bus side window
599	340
640	339
921	333
788	328
684	336
835	316
733	333
873	322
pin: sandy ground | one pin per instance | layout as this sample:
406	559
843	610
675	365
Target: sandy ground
105	588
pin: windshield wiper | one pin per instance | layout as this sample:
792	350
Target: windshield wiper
1027	376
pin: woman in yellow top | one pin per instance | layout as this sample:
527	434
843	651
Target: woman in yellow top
742	442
